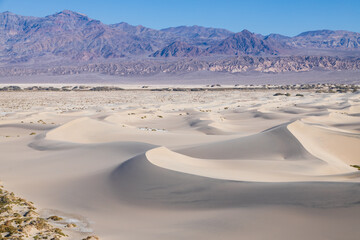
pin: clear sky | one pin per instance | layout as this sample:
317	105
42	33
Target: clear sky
288	17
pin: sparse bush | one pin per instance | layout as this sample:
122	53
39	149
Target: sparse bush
356	166
70	225
55	218
91	238
59	231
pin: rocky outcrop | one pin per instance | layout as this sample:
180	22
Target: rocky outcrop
185	65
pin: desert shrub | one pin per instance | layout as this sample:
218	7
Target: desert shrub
55	218
356	166
59	231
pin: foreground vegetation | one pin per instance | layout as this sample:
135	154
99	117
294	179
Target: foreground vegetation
19	220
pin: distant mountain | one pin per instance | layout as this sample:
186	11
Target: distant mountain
321	39
179	49
321	33
65	33
73	35
198	35
327	39
276	37
242	43
69	37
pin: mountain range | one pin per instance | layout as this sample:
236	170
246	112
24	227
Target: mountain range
69	37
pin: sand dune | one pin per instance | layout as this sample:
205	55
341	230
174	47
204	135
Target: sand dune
253	170
271	156
88	130
324	142
276	143
148	184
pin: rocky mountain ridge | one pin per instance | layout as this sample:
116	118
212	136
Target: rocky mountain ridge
74	35
240	64
73	42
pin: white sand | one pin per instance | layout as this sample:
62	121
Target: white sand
187	165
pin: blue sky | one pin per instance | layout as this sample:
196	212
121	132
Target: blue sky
289	17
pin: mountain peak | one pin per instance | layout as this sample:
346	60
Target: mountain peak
323	32
11	14
245	31
243	42
7	13
69	13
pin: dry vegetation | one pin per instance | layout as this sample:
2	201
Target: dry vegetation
19	220
319	88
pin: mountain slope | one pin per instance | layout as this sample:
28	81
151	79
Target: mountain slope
242	43
327	39
200	36
72	35
179	49
67	34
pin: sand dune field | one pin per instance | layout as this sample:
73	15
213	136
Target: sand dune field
149	165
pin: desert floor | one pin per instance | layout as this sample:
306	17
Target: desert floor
187	165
